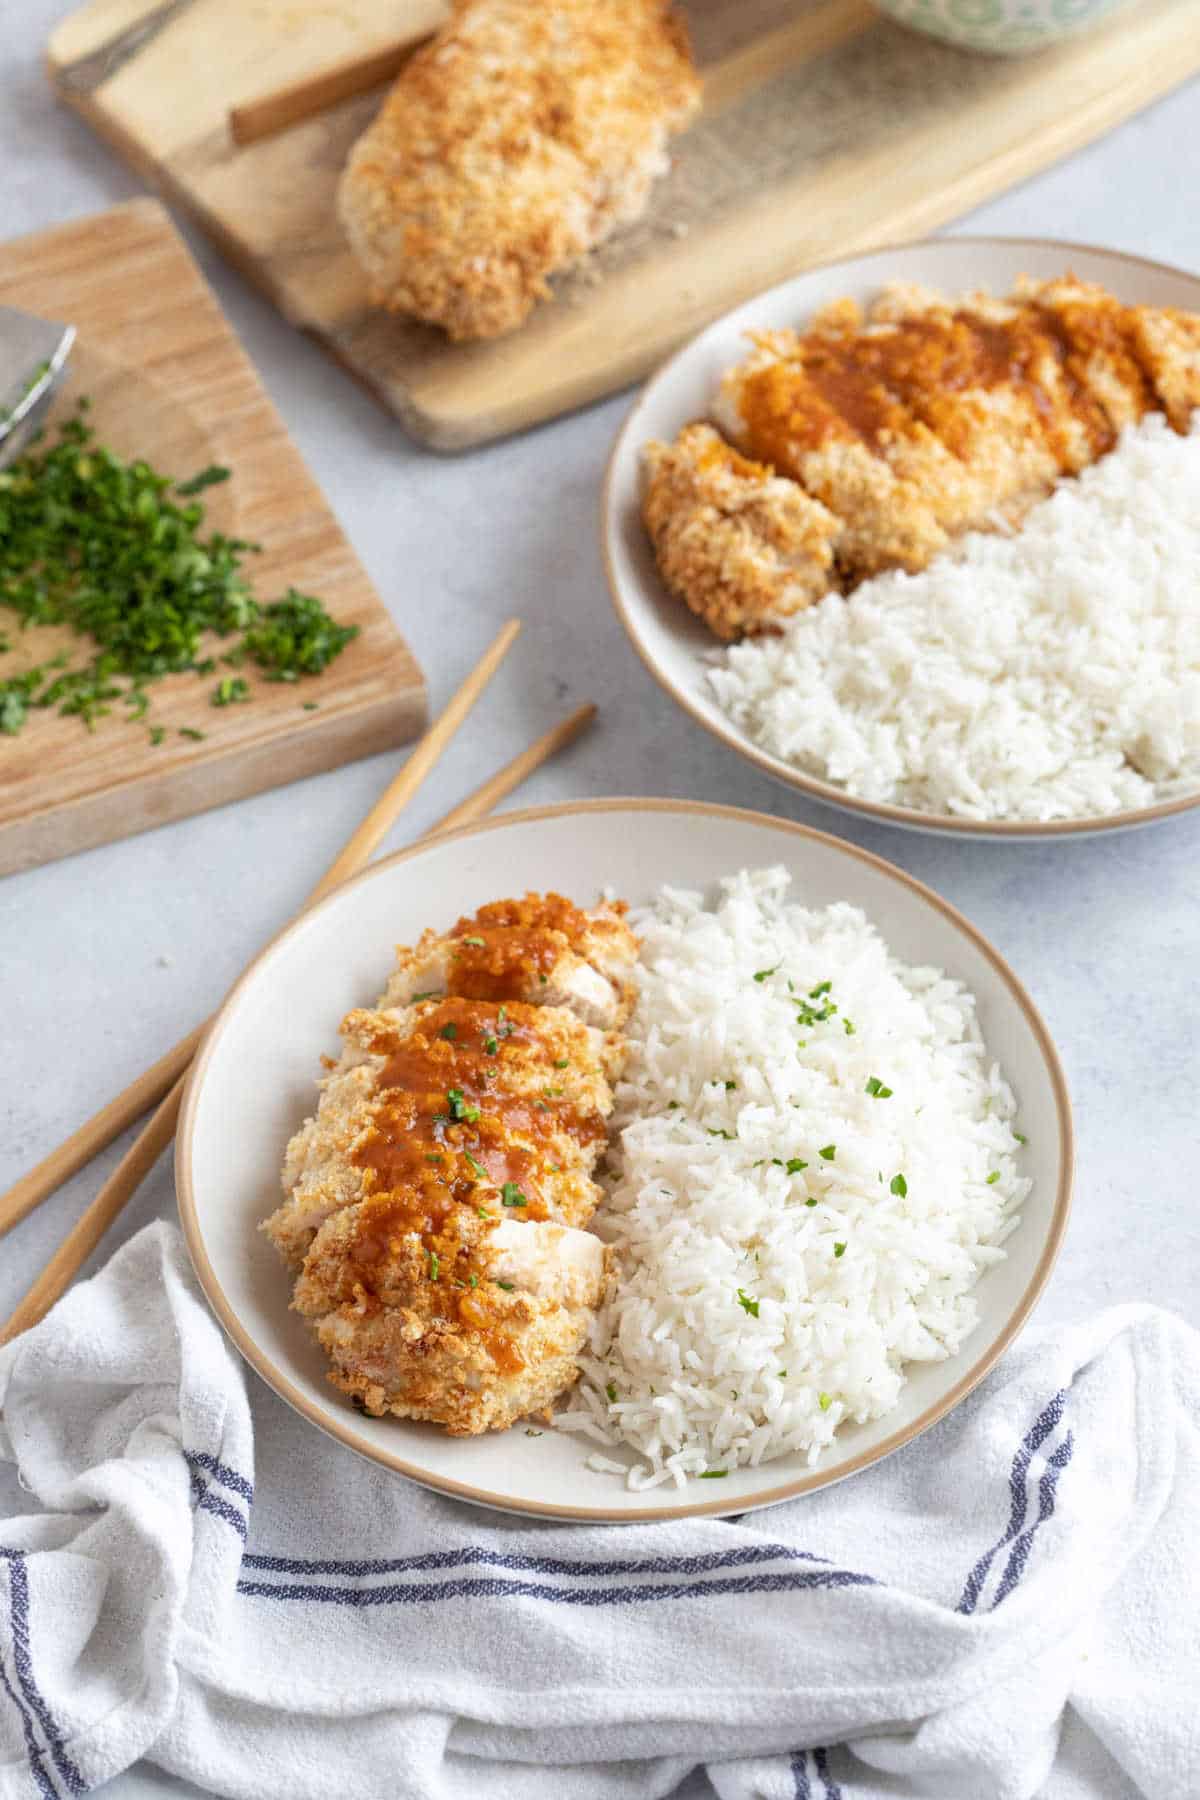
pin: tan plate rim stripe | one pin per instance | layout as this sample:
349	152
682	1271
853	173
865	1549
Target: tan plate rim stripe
344	1431
811	785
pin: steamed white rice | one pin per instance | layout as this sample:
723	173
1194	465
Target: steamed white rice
1053	674
757	1305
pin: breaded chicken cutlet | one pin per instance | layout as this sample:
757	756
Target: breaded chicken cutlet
866	444
434	1204
512	144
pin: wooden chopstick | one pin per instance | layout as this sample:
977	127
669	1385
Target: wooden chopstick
46	1177
316	93
150	1087
148	1146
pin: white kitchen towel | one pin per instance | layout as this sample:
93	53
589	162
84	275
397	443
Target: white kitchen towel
1009	1607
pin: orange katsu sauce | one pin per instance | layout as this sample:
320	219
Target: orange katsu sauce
465	1295
443	1146
495	963
549	912
867	385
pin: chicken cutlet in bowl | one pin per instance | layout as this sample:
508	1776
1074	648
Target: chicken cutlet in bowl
941	537
435	1202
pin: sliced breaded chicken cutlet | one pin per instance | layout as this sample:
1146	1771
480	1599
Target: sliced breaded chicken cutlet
908	426
433	1204
405	1106
472	1327
542	949
511	145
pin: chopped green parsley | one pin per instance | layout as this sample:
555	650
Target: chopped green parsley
747	1303
206	478
111	550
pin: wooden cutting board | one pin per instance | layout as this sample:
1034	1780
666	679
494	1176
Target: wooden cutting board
169	381
827	130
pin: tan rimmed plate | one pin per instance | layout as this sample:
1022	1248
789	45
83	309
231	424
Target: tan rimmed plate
253	1083
671	642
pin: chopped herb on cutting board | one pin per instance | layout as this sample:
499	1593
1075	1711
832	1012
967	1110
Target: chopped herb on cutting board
117	552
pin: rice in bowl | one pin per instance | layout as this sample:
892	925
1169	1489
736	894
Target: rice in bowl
815	1162
1050	675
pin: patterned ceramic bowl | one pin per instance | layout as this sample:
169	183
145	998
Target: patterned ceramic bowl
1002	27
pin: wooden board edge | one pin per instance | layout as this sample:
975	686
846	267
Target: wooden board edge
111	814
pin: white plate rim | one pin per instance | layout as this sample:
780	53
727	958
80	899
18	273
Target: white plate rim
812	786
343	1430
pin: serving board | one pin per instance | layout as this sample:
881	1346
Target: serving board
827	130
169	381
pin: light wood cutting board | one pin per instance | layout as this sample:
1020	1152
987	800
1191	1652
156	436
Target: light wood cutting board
827	130
169	381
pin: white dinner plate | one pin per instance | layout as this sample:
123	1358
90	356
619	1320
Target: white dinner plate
670	640
253	1083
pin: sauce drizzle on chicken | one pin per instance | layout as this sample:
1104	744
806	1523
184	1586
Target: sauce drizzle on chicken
434	1202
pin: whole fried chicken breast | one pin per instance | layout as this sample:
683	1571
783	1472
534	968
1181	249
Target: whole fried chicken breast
512	144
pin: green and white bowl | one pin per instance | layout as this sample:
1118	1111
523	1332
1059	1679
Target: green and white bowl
1000	27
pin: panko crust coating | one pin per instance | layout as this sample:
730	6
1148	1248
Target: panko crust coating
433	1204
512	144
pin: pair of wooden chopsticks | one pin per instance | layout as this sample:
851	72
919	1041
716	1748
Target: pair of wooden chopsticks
168	1073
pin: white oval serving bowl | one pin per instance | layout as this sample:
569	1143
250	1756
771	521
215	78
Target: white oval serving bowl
671	641
254	1082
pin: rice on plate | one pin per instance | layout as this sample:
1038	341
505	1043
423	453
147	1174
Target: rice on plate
815	1161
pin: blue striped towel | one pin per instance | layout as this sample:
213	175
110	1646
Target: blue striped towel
1007	1608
